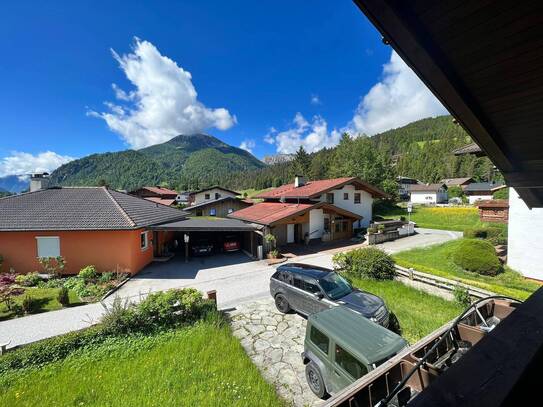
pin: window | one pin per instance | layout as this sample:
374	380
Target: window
308	286
319	339
213	212
207	196
357	197
199	213
330	198
345	196
48	246
144	241
348	363
217	195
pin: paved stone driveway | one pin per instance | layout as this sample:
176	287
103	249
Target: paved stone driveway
274	342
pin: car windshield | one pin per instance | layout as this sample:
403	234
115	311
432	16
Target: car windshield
335	286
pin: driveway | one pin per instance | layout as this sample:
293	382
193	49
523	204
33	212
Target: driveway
235	276
274	342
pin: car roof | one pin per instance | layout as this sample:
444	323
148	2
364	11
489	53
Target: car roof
364	339
305	269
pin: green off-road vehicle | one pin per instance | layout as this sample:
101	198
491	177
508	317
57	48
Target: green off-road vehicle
341	346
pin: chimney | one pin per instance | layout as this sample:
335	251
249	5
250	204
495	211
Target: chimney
39	180
299	181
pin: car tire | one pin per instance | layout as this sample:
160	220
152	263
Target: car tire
282	304
315	381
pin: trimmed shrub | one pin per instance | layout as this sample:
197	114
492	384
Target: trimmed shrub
88	273
493	234
501	194
120	318
30	305
478	256
28	280
366	263
461	296
63	296
107	277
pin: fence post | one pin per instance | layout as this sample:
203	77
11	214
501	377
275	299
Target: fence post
410	273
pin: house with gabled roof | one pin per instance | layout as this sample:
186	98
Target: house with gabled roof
327	209
86	225
209	194
428	194
157	194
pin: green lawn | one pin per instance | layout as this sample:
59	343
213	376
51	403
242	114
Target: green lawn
447	218
202	365
437	260
418	312
47	298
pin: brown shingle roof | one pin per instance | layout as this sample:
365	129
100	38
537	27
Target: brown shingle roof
81	208
425	187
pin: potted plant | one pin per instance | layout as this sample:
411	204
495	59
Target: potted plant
381	228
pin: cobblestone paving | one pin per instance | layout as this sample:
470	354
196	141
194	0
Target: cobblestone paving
274	342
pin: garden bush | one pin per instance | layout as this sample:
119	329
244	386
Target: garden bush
461	295
478	256
106	277
63	296
88	273
30	305
28	280
494	235
366	263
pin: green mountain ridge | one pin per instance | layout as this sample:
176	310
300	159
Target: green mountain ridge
186	160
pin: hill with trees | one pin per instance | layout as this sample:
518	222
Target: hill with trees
184	162
422	150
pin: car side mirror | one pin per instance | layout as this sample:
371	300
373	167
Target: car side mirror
319	295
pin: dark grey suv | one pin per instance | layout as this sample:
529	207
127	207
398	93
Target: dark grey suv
309	289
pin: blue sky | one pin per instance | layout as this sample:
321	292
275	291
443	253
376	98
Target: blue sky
268	77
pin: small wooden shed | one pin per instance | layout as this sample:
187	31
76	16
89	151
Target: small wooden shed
494	210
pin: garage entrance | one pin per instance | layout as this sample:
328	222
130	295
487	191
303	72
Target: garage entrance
207	237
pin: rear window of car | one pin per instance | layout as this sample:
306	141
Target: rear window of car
319	339
348	363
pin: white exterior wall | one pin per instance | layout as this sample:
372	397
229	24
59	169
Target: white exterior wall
525	240
364	208
200	196
428	198
316	223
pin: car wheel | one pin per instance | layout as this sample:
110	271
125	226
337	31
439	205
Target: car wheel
315	381
282	304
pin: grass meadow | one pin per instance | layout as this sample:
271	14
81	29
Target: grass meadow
202	365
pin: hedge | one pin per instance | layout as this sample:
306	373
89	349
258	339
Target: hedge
478	256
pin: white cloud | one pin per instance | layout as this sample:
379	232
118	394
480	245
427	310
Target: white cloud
269	137
315	100
313	136
247	145
19	163
163	104
399	98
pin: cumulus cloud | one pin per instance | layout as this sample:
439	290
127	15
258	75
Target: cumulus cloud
315	100
269	137
163	104
19	163
399	98
313	135
248	145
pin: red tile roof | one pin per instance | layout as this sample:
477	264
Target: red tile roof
267	213
160	190
162	201
313	189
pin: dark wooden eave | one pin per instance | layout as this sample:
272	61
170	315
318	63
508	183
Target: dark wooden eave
482	59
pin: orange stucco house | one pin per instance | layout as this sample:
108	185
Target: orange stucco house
85	225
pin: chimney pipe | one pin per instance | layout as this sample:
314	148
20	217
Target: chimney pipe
299	181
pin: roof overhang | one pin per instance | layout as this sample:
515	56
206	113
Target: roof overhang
483	61
198	224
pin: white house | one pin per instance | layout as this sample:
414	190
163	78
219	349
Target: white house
480	191
326	209
525	238
428	194
211	194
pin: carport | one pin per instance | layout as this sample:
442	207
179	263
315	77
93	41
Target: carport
169	237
